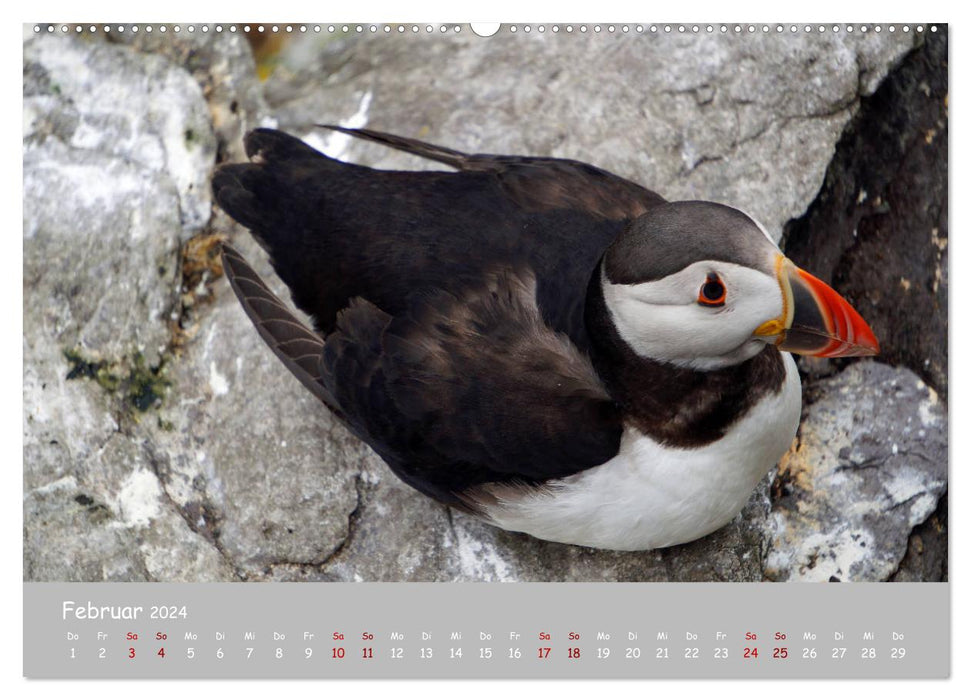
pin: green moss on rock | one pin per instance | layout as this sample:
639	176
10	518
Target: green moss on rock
147	385
98	370
144	386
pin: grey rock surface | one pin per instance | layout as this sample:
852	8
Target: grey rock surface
860	476
222	63
927	552
236	472
749	120
118	150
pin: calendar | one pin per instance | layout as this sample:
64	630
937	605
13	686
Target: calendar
486	631
544	350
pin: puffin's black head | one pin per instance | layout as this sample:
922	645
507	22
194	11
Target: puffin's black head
701	285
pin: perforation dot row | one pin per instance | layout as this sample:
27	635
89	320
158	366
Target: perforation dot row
249	28
721	28
455	28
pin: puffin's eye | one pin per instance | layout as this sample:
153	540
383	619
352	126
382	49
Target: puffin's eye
712	291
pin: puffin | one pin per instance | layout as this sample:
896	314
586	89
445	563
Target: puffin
535	341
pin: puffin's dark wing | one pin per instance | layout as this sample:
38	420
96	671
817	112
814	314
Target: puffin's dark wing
335	231
535	184
471	389
298	347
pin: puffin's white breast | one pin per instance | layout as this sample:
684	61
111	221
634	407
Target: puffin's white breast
651	495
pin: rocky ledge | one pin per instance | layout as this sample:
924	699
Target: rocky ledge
164	442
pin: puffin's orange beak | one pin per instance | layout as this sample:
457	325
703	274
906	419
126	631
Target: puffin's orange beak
815	319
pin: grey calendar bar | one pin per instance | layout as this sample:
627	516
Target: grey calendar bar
480	630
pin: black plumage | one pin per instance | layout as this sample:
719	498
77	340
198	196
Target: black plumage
335	230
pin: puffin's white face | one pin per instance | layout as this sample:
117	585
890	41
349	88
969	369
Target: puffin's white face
704	316
701	285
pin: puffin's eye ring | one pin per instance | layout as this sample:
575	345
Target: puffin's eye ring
713	291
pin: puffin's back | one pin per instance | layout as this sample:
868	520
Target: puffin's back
284	197
335	231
